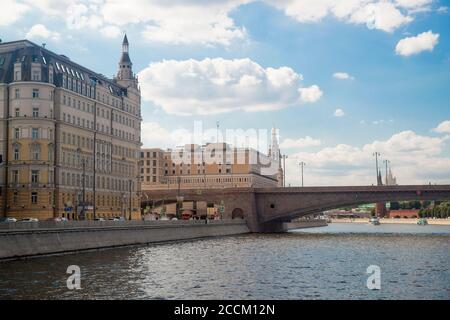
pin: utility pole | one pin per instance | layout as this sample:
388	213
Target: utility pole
284	169
302	164
217	134
130	182
84	186
387	162
376	155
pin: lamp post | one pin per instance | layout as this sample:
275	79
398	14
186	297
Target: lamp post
129	200
387	162
376	155
284	169
179	198
302	165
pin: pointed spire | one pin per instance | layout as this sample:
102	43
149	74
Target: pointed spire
125	39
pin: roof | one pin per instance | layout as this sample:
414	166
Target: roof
28	52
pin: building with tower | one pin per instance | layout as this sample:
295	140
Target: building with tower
214	165
69	137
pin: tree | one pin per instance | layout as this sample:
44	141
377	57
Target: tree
394	205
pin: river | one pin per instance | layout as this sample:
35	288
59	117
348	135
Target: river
317	263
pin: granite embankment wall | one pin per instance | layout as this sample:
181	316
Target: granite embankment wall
19	240
306	224
441	222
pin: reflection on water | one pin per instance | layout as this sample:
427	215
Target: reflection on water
319	263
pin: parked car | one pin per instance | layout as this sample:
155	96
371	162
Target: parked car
99	219
9	219
29	220
117	219
59	219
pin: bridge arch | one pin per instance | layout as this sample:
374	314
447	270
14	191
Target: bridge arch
237	213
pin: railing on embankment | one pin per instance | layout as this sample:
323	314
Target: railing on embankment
18	240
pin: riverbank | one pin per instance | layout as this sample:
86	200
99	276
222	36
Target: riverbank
438	222
21	240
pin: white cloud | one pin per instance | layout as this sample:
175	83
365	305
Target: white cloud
443	127
442	10
425	41
414	159
339	113
210	22
342	76
39	31
180	22
212	86
155	136
111	31
11	11
382	15
413	4
311	94
300	143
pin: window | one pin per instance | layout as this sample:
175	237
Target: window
34	176
15	176
36	153
36	76
35	112
35	133
34	197
17	111
17	93
16	153
35	93
16	133
15	197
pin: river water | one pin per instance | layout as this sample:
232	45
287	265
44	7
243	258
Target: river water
319	263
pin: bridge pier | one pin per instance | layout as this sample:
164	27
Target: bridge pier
267	227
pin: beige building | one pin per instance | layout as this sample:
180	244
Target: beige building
216	165
69	137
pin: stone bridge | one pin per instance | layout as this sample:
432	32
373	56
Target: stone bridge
265	209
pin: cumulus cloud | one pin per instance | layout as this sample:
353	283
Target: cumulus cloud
415	159
11	12
382	15
425	41
39	31
310	94
342	76
339	113
300	143
212	86
111	31
210	22
443	127
156	136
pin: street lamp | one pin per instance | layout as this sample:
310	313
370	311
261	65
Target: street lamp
387	162
284	169
129	187
179	198
376	155
83	183
302	164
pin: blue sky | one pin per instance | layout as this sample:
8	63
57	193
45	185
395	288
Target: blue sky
395	97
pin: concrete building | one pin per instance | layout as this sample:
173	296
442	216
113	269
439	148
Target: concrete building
215	165
69	137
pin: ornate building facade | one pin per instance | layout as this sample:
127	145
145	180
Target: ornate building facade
69	137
